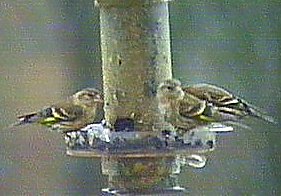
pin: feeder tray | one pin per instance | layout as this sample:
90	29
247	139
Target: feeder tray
96	140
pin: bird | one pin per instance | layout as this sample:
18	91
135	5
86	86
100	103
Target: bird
76	112
187	107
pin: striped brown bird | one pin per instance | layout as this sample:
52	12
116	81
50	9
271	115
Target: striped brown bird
72	114
189	106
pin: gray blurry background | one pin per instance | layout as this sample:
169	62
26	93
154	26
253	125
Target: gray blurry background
50	48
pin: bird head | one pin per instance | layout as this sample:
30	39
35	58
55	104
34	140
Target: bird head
88	97
170	90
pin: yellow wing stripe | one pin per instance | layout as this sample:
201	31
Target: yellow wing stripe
205	118
49	121
57	115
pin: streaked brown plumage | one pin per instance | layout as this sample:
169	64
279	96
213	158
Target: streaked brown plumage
189	106
75	113
229	106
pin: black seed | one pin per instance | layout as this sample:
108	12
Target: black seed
124	125
198	142
210	143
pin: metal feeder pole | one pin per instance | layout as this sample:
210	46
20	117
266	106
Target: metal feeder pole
135	44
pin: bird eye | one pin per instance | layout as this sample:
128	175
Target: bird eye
170	88
88	96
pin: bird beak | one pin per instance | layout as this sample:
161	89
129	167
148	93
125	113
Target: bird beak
98	99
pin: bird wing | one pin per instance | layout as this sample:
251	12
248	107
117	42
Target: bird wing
224	104
60	113
212	94
191	106
219	99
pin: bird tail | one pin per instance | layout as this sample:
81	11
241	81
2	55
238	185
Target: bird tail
26	119
257	113
241	108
